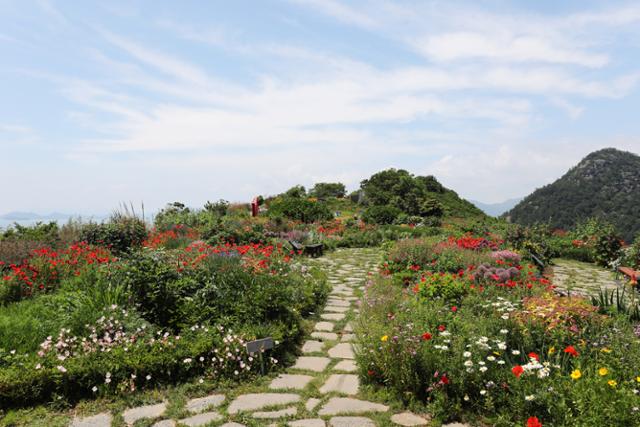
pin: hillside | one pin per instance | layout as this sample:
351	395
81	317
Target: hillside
605	183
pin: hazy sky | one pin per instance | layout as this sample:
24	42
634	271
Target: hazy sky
159	101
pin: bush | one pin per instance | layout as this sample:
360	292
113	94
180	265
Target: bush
298	208
380	214
120	235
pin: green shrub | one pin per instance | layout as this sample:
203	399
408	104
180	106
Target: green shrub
380	214
120	235
300	209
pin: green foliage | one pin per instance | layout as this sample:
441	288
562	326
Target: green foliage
45	233
118	234
299	208
379	214
297	192
323	190
431	208
218	208
604	184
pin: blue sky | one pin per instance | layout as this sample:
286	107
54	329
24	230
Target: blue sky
160	101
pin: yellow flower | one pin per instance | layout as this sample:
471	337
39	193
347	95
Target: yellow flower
606	350
384	338
612	383
551	351
576	374
638	379
603	371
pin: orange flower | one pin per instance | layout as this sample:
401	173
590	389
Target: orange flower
517	370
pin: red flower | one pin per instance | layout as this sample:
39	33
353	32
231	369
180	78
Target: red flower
534	422
571	350
454	308
441	328
533	355
426	336
444	379
517	370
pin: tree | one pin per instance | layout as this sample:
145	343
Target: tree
297	191
431	207
323	190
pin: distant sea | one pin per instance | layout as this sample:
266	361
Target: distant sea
5	223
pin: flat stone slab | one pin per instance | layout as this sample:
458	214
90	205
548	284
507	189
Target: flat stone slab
201	419
351	422
312	363
347	405
232	425
324	326
348	327
408	419
341	383
253	401
199	404
149	411
99	420
311	404
333	316
346	366
165	423
329	336
309	422
347	337
311	346
455	425
336	309
287	412
343	350
339	302
287	381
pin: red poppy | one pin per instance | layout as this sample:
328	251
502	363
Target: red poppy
454	308
441	328
444	379
517	370
533	355
571	351
426	336
534	422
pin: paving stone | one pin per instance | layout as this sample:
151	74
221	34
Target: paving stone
253	401
346	366
328	336
201	419
339	302
311	404
341	383
309	422
287	412
312	346
347	405
348	327
287	381
333	316
409	419
99	420
343	350
232	425
456	425
336	309
324	326
201	403
351	422
165	423
312	363
347	337
148	411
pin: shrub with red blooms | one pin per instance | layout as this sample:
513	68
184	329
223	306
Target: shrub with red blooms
170	238
474	243
534	422
46	268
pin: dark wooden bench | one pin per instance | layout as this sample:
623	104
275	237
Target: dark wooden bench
314	250
632	274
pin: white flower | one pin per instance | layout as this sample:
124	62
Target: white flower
504	331
466	354
187	360
483	369
94	389
468	363
38	366
200	380
515	352
148	377
61	368
529	398
491	358
502	346
483	392
501	362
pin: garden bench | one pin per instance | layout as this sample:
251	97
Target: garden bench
630	273
314	250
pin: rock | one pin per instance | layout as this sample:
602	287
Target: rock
253	401
165	423
341	383
312	346
311	404
232	425
347	337
339	302
351	422
201	419
287	412
315	422
336	309
100	420
149	411
347	405
346	366
409	419
328	336
324	326
333	316
201	403
455	425
342	351
348	328
286	381
312	363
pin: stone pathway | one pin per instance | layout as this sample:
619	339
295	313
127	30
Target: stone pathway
582	278
321	389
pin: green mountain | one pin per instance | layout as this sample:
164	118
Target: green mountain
606	183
